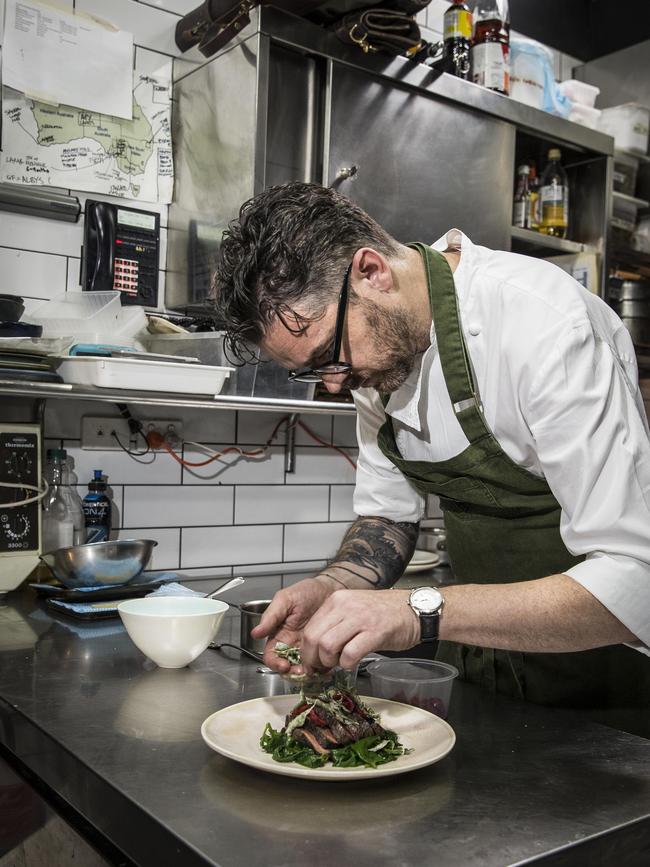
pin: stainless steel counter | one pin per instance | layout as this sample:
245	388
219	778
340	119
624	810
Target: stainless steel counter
118	739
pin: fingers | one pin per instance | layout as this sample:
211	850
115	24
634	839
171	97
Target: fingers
274	616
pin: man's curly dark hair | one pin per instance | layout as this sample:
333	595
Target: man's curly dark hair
290	245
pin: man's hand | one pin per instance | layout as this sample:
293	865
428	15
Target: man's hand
288	614
351	623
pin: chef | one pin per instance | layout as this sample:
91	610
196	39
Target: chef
495	382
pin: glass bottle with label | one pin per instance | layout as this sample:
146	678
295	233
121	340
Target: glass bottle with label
554	197
457	24
491	46
521	207
533	186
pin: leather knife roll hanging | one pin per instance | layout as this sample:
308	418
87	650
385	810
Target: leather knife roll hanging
388	28
384	31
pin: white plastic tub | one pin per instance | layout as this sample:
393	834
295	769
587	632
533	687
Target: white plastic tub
579	92
628	124
141	375
584	115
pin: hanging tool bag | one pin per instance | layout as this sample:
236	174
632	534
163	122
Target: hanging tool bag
388	28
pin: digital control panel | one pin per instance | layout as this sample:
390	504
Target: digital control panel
20	463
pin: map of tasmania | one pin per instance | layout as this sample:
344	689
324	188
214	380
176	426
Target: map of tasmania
64	146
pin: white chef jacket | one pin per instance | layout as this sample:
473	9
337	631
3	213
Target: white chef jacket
557	377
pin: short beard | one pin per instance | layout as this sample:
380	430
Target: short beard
396	342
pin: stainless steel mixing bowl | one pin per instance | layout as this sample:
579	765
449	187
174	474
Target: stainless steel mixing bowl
100	562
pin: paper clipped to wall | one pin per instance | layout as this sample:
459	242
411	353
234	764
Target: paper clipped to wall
56	56
64	146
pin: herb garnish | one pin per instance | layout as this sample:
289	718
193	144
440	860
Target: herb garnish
319	729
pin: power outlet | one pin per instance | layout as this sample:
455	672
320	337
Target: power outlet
97	433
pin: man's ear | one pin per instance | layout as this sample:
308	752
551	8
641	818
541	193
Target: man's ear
371	272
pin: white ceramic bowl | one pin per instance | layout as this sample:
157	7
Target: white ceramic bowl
172	630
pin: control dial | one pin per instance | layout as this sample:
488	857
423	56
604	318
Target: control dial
15	527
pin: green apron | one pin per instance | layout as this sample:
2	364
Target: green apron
503	525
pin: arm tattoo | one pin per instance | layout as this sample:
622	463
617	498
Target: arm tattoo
374	552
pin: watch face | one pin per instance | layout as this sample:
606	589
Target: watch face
426	599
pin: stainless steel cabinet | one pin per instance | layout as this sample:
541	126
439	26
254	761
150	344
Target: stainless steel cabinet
423	165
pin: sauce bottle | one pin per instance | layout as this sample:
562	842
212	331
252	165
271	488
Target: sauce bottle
554	197
521	209
457	25
97	509
491	46
533	186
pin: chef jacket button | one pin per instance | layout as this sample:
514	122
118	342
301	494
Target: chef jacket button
474	329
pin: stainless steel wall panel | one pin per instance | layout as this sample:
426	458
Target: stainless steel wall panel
214	124
295	117
423	165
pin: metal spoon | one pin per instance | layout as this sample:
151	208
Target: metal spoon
256	656
234	582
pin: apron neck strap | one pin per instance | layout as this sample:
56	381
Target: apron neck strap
454	357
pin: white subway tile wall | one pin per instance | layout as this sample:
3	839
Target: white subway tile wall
237	513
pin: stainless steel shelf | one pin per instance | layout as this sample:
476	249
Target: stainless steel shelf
641	157
46	390
538	244
632	200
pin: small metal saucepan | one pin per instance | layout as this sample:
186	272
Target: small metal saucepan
251	614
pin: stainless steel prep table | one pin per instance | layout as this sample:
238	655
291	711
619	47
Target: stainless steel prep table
118	740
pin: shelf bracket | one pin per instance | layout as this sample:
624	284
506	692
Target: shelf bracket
290	444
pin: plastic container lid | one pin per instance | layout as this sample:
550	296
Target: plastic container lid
579	92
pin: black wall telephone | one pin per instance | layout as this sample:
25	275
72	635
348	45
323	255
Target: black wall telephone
120	252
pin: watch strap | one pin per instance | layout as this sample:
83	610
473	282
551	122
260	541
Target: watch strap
429	626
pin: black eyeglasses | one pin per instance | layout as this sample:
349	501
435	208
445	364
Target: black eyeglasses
315	374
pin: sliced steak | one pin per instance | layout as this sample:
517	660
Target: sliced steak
304	736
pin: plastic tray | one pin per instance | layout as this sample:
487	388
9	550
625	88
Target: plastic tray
140	375
78	311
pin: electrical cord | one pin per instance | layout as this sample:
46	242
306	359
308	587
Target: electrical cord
40	493
157	441
135	455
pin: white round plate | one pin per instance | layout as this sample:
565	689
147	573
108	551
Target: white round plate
235	732
421	560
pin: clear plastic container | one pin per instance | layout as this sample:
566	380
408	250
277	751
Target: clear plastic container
629	124
585	115
579	92
82	315
421	682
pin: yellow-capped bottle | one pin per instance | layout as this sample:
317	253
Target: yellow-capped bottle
554	197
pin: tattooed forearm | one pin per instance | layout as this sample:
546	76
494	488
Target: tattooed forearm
374	552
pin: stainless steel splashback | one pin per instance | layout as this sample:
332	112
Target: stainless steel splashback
422	165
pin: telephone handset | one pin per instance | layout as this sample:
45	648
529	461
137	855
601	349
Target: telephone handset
101	229
120	252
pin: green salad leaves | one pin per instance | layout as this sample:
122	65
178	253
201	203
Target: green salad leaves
368	752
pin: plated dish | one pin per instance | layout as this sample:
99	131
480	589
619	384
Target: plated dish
421	561
235	732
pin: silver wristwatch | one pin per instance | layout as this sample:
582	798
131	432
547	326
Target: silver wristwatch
427	602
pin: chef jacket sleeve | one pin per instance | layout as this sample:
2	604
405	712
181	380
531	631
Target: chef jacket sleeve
588	421
381	489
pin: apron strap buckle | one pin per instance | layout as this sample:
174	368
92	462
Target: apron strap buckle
460	405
